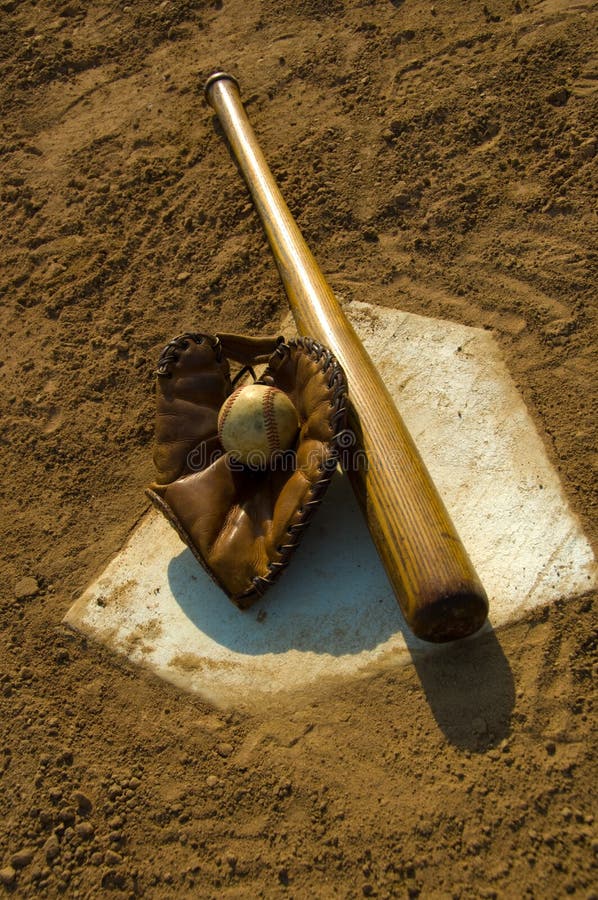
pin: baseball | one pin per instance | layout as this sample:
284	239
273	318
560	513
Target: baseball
256	422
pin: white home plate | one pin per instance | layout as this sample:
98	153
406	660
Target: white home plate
333	613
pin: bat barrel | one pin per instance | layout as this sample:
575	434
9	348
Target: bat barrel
433	578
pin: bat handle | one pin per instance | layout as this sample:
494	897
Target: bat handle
435	582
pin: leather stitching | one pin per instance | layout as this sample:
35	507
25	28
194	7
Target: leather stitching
171	352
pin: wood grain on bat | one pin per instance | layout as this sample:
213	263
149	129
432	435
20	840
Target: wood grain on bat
434	580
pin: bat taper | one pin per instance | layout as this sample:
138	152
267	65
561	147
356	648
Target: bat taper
434	580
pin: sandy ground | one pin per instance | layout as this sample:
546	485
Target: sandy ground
440	159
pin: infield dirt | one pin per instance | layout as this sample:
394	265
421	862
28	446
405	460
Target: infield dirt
440	159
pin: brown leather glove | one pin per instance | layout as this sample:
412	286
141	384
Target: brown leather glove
243	525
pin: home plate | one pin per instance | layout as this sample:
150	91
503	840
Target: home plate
333	613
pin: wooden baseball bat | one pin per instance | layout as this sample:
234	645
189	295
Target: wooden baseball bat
437	587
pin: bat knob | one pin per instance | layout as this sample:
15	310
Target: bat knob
218	76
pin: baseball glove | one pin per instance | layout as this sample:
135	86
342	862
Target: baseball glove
243	525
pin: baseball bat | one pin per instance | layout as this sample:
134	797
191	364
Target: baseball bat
433	578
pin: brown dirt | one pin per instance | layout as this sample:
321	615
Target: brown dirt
440	158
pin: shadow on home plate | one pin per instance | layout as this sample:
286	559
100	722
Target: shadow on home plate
334	598
349	609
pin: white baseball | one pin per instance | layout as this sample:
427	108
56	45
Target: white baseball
256	422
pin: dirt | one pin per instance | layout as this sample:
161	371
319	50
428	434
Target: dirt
440	158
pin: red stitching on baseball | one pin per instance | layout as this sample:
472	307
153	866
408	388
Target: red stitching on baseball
271	429
226	408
